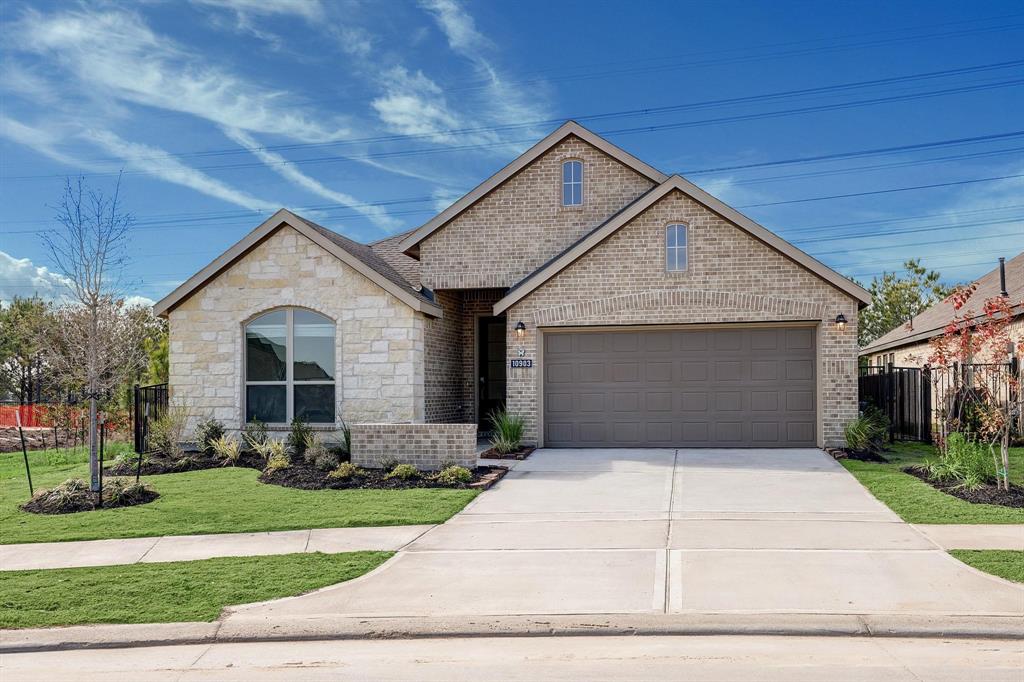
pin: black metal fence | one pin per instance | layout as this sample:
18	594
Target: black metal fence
149	405
919	401
904	395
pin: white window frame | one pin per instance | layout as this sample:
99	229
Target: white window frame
675	229
572	182
289	380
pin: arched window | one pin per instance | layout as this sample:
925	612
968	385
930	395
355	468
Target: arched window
676	247
289	367
572	183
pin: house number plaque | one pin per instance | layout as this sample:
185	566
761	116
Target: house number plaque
521	362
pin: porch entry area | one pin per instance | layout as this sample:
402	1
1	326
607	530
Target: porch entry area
490	368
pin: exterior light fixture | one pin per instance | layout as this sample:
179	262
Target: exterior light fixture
841	322
520	329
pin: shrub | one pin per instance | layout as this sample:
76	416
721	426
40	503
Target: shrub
346	439
968	463
346	471
389	463
868	432
299	436
326	460
186	462
454	475
207	431
314	447
119	492
167	433
227	448
278	460
74	495
255	434
508	431
404	472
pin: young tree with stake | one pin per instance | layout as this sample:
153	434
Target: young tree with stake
95	342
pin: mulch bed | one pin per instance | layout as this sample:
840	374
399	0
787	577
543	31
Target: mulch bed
860	455
306	477
521	453
989	494
156	464
63	499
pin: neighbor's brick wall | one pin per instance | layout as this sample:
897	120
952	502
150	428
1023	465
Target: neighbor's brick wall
426	446
521	224
732	277
379	349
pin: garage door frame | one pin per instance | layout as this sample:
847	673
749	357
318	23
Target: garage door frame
816	324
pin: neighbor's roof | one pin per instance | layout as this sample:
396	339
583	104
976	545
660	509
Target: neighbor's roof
525	159
537	278
933	320
369	260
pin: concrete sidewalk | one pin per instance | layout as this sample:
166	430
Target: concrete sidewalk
193	547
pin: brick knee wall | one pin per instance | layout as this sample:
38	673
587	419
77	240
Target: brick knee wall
425	446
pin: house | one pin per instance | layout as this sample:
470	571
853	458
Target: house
908	344
605	302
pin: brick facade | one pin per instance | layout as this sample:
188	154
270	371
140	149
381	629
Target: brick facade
428	447
731	277
379	340
516	228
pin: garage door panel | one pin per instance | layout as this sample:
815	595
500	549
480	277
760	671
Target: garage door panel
740	387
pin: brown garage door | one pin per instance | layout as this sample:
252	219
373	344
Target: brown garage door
719	387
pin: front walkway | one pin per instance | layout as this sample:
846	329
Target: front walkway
192	547
663	531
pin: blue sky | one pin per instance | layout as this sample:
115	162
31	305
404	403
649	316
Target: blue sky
368	117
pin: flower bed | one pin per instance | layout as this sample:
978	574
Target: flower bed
74	495
307	477
986	494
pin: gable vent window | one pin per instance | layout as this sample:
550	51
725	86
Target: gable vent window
676	248
572	183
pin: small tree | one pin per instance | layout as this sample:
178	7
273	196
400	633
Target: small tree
972	402
94	344
22	367
896	299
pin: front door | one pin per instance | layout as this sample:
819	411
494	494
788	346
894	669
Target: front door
490	366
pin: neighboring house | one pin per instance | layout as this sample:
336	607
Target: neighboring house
606	303
908	344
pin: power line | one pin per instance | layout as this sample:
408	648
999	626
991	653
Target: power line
620	131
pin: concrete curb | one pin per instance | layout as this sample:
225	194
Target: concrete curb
309	629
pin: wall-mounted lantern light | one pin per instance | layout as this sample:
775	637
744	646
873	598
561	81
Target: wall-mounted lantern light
520	329
841	322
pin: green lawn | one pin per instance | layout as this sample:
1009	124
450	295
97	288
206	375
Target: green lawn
224	500
916	501
1005	563
168	593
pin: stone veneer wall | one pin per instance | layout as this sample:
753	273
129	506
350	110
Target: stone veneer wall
426	446
380	345
732	277
521	224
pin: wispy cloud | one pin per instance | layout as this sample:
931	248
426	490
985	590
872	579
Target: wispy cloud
290	171
413	104
157	163
116	52
311	10
21	277
43	140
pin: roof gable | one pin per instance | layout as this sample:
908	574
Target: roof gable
676	183
360	257
522	161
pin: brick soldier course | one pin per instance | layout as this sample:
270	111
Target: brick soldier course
407	308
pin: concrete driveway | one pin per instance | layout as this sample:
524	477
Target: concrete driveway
594	531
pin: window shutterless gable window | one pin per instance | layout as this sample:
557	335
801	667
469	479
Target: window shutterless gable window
289	367
676	247
572	183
